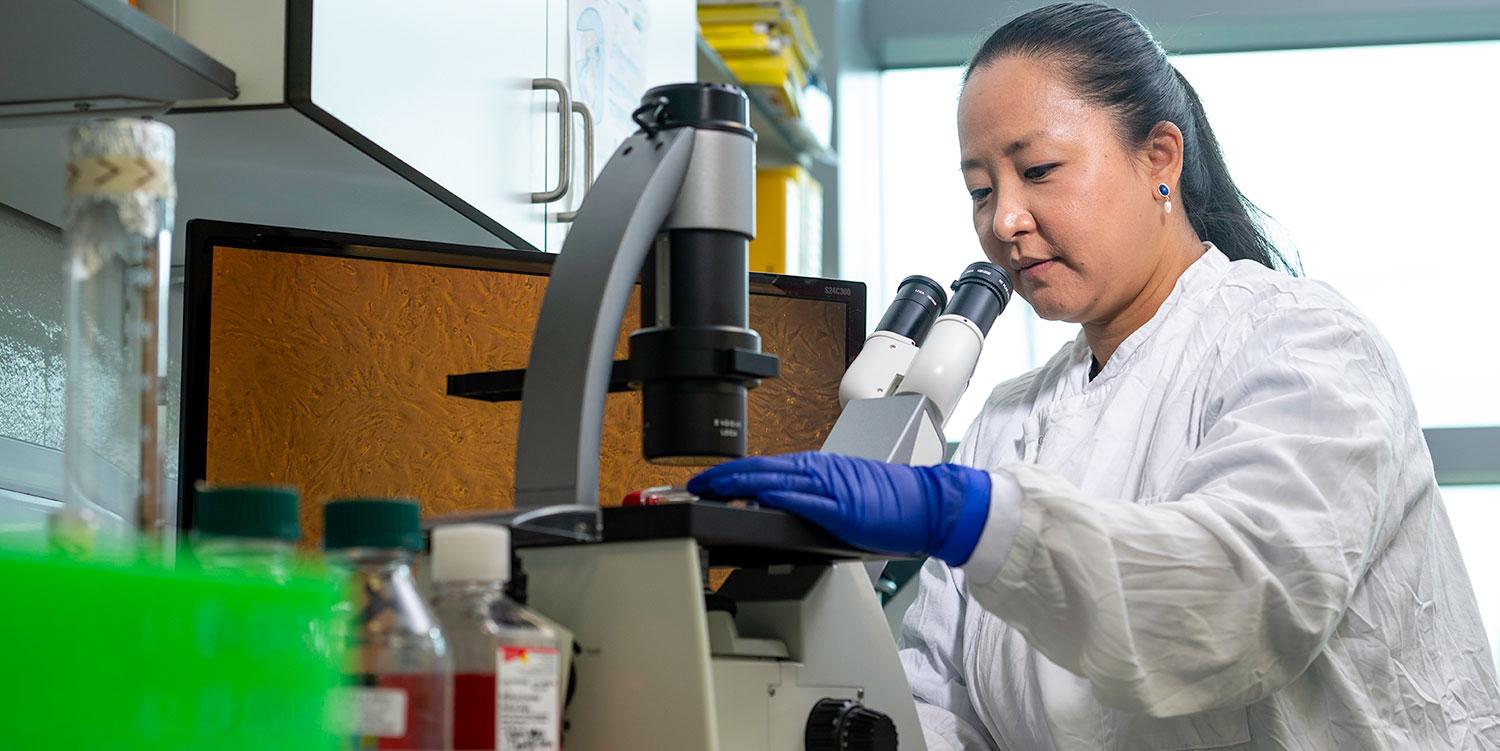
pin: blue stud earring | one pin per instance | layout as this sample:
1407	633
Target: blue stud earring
1165	192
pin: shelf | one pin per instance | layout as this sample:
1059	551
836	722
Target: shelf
781	140
67	57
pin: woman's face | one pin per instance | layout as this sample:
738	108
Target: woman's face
1059	202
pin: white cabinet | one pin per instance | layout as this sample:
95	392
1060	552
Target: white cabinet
446	88
442	93
661	51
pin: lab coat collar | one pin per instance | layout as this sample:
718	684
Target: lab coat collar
1202	276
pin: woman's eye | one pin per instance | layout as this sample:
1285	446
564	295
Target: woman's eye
1038	172
979	194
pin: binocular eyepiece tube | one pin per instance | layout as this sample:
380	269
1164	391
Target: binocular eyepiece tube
980	294
942	369
916	350
890	348
918	303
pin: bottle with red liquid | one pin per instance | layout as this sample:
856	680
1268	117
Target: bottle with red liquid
400	693
505	658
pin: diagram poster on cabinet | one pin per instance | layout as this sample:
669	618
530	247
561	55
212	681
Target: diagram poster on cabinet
607	44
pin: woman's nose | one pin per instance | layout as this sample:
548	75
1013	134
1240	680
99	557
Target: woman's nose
1011	221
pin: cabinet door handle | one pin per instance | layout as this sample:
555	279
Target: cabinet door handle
579	108
565	136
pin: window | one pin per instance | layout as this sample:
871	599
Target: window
1474	511
1376	163
1379	164
31	374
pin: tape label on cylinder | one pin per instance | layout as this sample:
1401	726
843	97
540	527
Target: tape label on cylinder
116	175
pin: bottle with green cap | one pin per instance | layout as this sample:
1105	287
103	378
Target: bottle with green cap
400	692
250	529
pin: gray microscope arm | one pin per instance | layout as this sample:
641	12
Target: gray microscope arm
902	429
562	404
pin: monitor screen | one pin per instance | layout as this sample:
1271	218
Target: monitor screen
320	361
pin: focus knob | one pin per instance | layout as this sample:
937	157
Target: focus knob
847	725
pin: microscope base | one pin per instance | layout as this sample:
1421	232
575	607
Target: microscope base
646	674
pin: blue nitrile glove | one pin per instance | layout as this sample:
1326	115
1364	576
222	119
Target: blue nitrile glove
889	508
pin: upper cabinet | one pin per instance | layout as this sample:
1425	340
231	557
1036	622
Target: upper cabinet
608	53
453	90
473	100
457	121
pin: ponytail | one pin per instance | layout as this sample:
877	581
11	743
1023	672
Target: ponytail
1113	61
1215	207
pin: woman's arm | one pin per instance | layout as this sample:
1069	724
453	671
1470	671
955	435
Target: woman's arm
1226	592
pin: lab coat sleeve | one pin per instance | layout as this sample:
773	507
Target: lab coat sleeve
932	646
931	643
1224	590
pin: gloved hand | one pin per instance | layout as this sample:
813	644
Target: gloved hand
888	508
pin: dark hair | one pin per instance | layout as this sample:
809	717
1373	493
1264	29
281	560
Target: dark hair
1114	62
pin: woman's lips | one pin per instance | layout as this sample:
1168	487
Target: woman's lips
1035	269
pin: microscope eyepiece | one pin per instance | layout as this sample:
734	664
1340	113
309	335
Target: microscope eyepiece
919	301
980	294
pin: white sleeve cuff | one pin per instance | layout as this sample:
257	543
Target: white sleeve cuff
999	531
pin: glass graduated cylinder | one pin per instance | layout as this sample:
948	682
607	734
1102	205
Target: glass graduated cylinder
118	238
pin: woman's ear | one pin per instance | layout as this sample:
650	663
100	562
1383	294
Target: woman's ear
1163	153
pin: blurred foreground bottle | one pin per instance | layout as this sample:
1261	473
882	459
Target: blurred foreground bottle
505	658
120	197
142	656
400	692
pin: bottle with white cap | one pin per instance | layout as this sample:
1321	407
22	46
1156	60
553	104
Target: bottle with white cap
505	658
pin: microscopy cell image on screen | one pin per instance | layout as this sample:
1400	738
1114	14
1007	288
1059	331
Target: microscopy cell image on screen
329	373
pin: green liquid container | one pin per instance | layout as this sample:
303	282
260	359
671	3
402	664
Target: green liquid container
130	656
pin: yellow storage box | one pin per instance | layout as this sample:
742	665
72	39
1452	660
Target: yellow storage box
788	222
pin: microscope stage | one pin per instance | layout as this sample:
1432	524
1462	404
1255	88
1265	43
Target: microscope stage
732	535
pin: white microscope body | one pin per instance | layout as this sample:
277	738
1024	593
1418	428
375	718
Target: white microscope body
660	670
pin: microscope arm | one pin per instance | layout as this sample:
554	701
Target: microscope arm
901	429
562	408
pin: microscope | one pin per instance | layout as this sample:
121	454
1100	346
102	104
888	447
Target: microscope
793	650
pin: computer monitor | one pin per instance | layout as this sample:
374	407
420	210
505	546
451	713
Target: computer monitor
321	361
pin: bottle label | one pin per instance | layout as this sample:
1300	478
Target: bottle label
391	712
375	712
526	700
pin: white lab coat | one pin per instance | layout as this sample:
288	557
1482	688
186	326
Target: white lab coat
1230	538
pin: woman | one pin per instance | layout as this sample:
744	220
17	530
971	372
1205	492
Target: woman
1212	521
